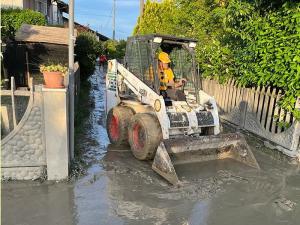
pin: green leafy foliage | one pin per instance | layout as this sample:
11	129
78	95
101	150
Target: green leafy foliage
12	19
87	49
115	49
157	18
268	47
257	42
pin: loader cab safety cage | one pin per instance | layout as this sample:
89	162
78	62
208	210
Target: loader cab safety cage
142	59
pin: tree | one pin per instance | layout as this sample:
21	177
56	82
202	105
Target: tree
87	49
257	42
115	49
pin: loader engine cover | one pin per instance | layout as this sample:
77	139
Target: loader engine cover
178	119
205	118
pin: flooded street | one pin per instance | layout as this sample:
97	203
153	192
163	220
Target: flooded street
118	189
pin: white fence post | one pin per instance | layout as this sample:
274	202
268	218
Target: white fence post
296	137
260	113
6	115
13	87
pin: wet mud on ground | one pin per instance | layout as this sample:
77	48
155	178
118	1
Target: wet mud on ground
118	189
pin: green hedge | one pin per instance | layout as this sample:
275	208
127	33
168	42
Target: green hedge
268	52
87	49
257	42
12	19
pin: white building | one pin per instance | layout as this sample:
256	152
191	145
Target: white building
52	9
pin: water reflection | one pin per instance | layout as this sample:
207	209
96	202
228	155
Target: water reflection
30	203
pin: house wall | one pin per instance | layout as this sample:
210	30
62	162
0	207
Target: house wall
50	9
60	18
36	5
55	14
41	6
12	3
29	4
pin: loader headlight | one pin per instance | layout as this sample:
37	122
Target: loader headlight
192	44
157	40
157	105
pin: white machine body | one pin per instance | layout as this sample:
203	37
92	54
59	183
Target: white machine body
182	118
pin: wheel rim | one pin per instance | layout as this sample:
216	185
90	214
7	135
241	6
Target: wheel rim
138	136
114	128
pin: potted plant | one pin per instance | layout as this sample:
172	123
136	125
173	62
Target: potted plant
54	75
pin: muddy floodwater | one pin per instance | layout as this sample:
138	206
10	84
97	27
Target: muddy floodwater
118	189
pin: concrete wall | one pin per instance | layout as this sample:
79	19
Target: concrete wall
24	148
38	145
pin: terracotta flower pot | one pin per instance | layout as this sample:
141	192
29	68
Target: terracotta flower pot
53	79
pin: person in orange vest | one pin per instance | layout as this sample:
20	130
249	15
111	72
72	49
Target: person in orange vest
167	80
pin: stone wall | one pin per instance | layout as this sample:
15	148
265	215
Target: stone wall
24	148
37	147
23	173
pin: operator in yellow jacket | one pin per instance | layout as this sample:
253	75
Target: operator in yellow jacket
167	84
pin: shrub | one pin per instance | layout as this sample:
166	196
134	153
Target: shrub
257	42
87	49
12	19
115	49
269	47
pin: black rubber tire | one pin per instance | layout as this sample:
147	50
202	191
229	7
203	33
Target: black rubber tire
144	135
123	115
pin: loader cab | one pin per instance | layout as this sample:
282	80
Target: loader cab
141	59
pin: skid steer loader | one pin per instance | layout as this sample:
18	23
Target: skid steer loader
157	127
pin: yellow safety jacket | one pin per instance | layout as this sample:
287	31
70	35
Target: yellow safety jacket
165	77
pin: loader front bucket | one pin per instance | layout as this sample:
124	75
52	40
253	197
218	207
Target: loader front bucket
199	149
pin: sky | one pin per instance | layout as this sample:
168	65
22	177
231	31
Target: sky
98	15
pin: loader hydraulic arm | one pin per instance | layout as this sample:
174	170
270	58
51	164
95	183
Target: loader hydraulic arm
144	93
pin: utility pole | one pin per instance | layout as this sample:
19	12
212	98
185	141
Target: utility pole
141	8
114	19
71	40
70	81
